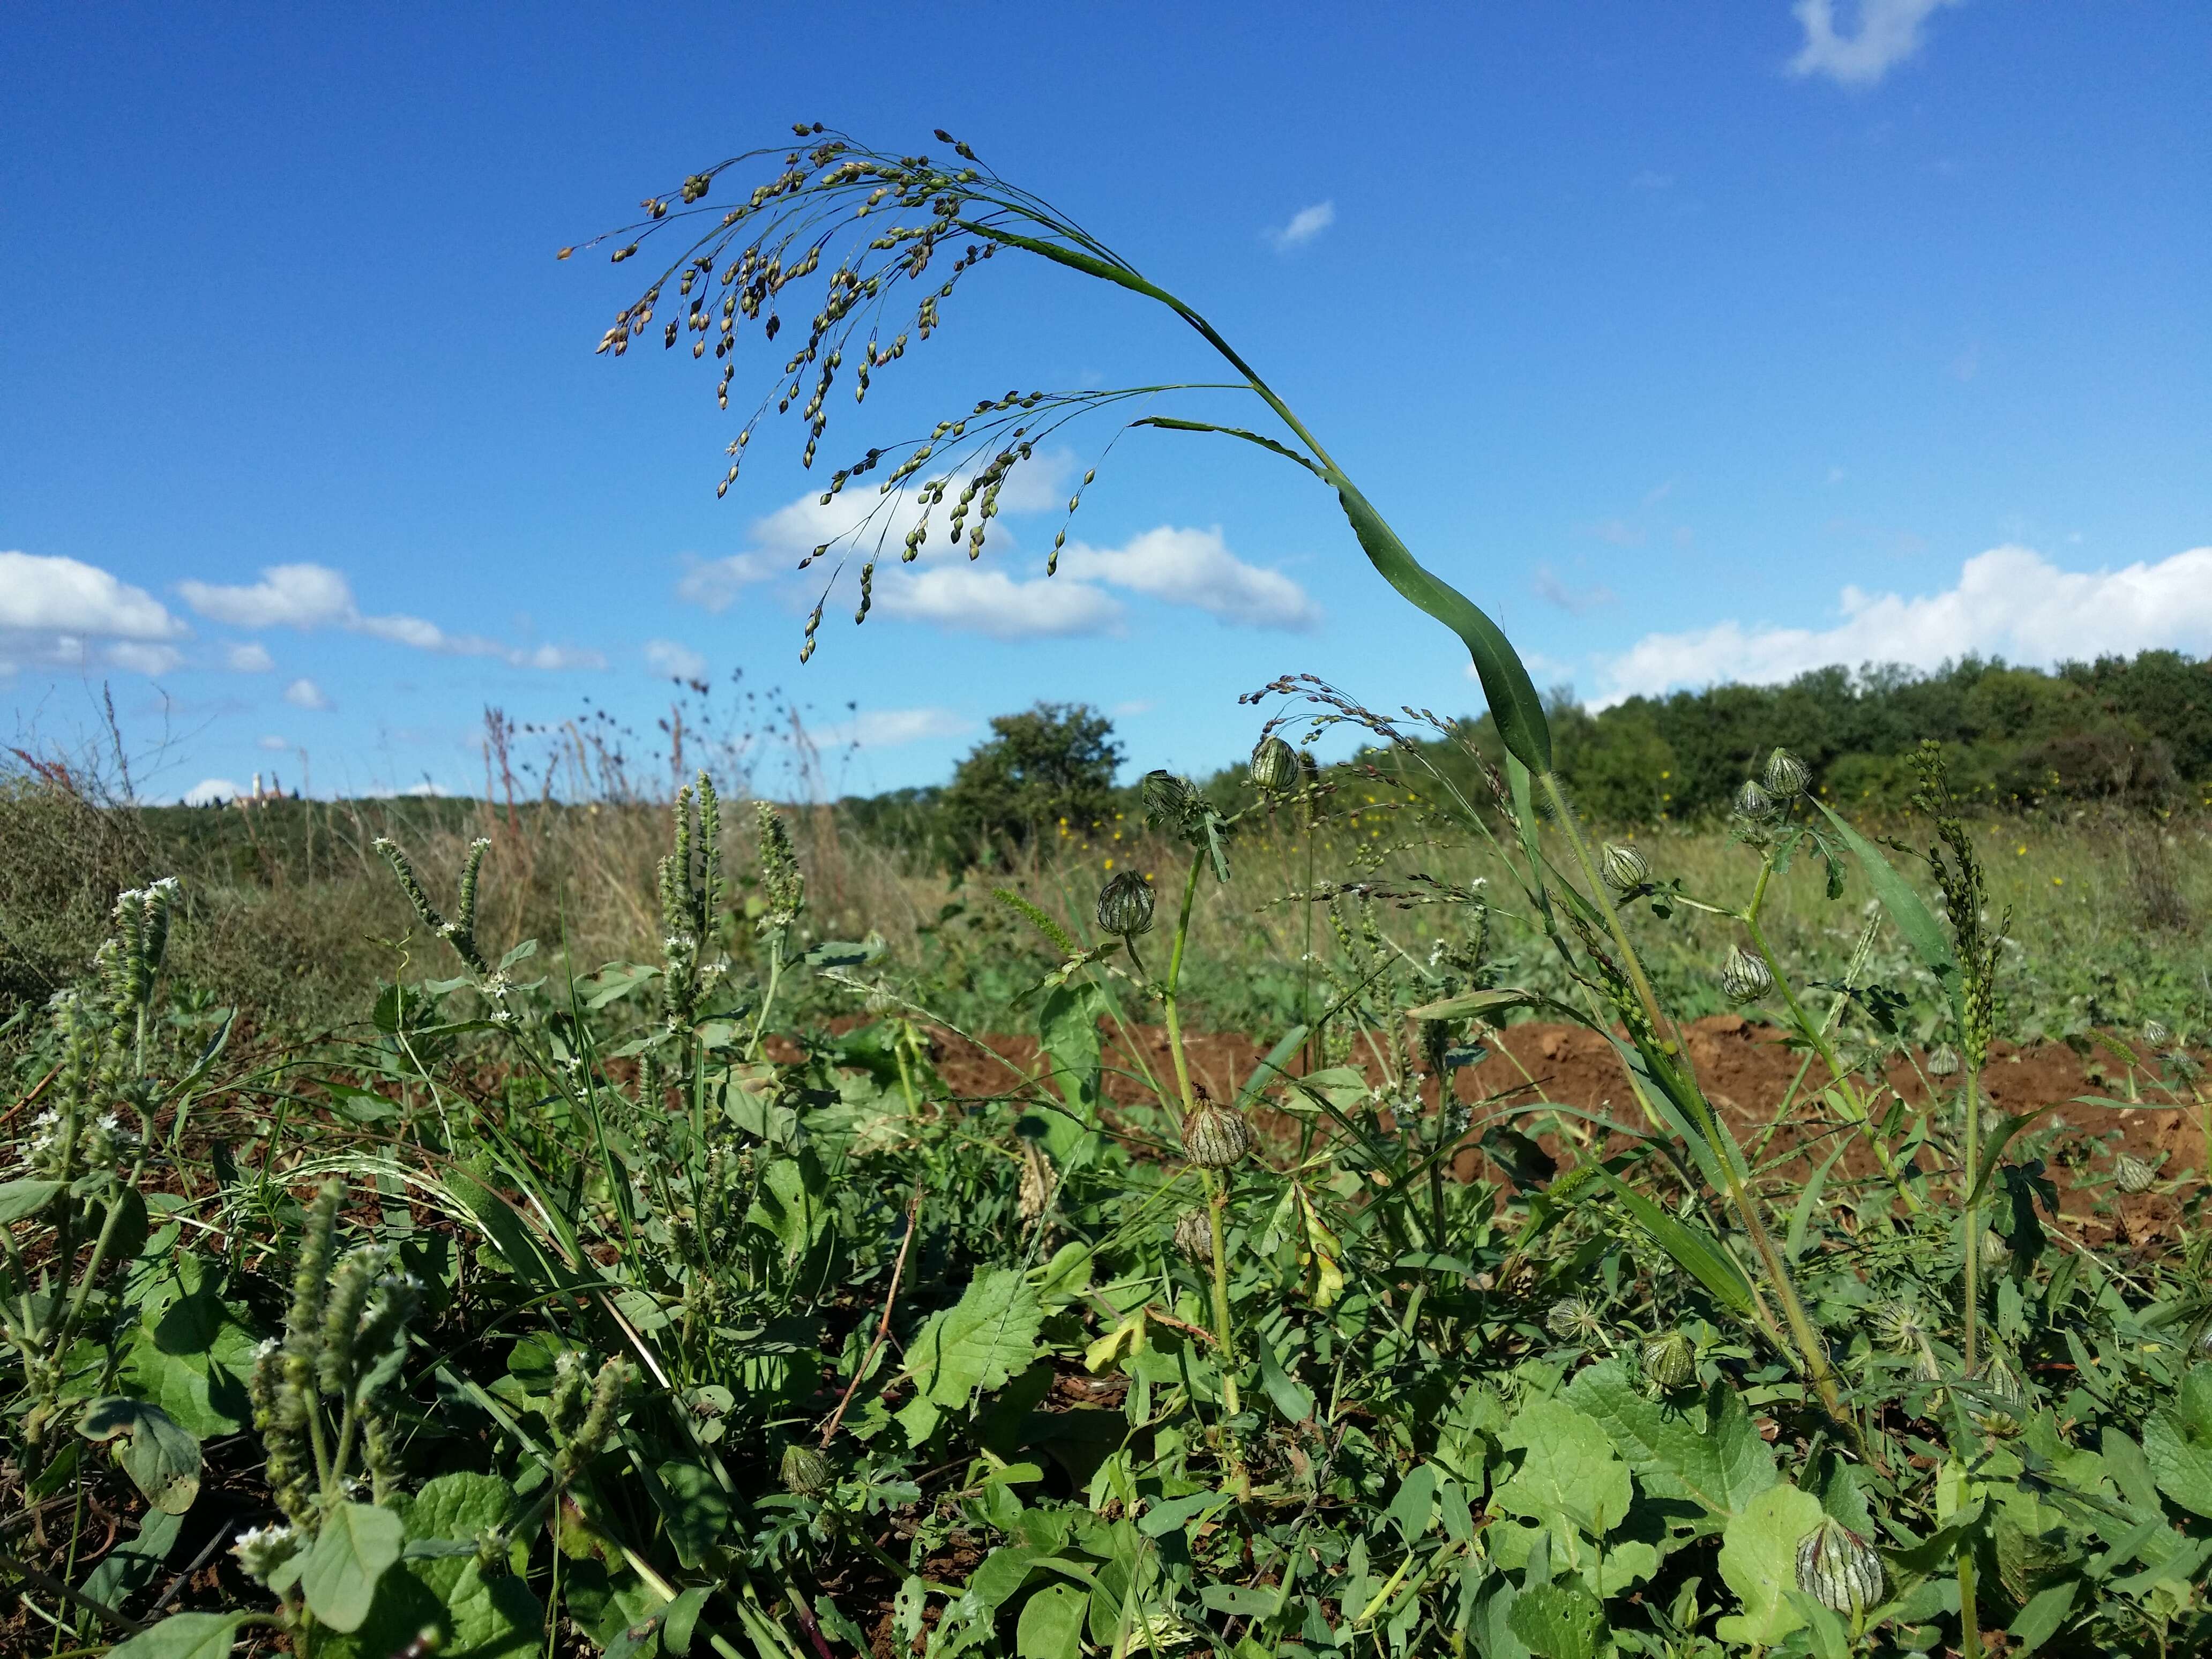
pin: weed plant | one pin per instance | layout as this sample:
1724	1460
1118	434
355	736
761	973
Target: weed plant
643	1309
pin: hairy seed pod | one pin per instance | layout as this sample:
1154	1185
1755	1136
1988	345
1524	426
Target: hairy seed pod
1754	803
1744	977
1786	775
1670	1360
1215	1137
1943	1060
2131	1175
1573	1320
1624	868
1839	1569
1899	1326
1274	766
1125	905
1194	1237
1169	799
803	1471
2000	1403
1997	1255
2155	1034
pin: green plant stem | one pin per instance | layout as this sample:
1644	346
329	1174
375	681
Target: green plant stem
1662	1027
1970	1623
99	1249
1174	979
1818	1036
1970	1220
1225	1332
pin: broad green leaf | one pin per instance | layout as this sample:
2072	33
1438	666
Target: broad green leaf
1067	1027
1913	918
1759	1562
357	1543
682	1618
1514	707
22	1200
2039	1621
131	1565
184	1636
2178	1444
163	1461
1051	1625
1560	1621
697	1512
978	1342
1569	1478
1289	1395
1410	1509
1710	1452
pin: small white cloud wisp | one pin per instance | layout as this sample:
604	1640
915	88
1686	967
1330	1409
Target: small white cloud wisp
307	597
2009	602
1888	32
1304	225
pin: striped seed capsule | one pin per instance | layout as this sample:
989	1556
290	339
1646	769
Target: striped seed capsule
1839	1569
2131	1175
804	1471
1744	977
1216	1138
1194	1237
1125	905
1670	1360
1274	766
1624	868
1786	775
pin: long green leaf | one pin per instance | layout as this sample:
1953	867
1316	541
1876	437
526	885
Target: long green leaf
1697	1255
1514	704
1913	918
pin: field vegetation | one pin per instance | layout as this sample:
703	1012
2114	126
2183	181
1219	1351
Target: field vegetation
1473	1197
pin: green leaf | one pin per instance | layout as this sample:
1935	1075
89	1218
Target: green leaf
1051	1625
682	1618
1712	1454
1570	1475
2039	1621
1514	707
357	1543
129	1567
184	1636
1759	1562
1410	1509
697	1513
2178	1444
1559	1621
1290	1396
22	1200
1697	1253
1913	918
162	1459
979	1342
1067	1027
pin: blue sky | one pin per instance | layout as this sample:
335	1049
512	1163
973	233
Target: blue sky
1695	341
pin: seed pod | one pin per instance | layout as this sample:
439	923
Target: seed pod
1997	1255
1943	1060
1899	1326
1839	1569
2155	1034
803	1471
1624	868
1194	1237
1754	803
1168	799
1744	977
1670	1360
1125	905
2131	1175
1215	1137
1572	1320
1786	775
1274	766
2001	1400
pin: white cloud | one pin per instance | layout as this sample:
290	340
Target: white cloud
427	790
287	596
248	659
673	661
275	745
970	600
208	790
1888	32
712	584
887	728
1195	568
1305	224
62	613
310	596
2009	602
305	694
